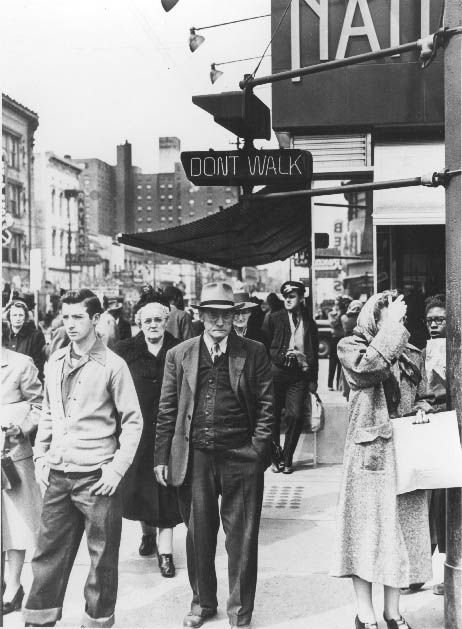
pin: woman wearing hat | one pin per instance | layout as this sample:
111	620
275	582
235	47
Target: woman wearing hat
144	499
244	323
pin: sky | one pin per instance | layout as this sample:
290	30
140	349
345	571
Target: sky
99	72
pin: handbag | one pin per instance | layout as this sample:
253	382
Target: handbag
8	466
314	412
277	455
428	455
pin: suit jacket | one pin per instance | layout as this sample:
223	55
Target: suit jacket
277	328
250	377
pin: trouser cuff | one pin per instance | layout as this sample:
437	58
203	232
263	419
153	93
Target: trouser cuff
41	616
88	621
240	621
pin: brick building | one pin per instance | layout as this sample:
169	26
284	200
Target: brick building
18	127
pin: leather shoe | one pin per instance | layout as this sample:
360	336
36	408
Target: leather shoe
438	589
15	603
288	469
397	624
364	625
148	545
166	565
195	620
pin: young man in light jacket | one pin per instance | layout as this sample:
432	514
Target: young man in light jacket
87	437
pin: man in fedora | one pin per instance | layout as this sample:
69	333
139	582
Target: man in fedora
293	338
213	438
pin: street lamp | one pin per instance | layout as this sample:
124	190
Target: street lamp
196	40
69	194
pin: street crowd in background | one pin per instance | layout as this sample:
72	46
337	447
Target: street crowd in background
100	425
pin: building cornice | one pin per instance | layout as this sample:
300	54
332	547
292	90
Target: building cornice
31	116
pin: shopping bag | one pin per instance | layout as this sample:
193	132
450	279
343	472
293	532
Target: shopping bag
314	412
428	455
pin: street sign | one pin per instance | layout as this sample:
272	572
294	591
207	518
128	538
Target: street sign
83	259
248	167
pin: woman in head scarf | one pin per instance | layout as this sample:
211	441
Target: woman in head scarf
143	498
381	537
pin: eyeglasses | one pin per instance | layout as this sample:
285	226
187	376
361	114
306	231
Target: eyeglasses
213	315
437	320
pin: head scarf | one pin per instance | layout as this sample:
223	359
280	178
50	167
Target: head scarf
367	328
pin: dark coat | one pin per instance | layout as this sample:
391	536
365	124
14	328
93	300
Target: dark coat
250	376
277	328
31	342
143	498
125	329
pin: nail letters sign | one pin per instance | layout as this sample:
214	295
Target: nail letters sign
218	168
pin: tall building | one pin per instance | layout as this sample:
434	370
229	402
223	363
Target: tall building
168	198
18	221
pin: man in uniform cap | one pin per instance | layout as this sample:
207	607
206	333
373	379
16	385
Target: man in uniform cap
293	337
213	437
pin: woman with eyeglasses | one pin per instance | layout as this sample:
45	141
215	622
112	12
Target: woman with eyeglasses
143	498
434	356
381	537
24	336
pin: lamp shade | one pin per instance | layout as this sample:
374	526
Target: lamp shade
214	73
168	4
195	40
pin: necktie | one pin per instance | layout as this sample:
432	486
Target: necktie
295	318
216	352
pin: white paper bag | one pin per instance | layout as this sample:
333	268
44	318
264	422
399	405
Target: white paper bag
428	456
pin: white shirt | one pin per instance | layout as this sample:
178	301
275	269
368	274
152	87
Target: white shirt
210	343
296	333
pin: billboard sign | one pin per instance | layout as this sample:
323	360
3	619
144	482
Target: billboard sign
387	92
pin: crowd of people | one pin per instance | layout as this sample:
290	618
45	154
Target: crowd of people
99	425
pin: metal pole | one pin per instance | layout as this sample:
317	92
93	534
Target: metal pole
453	113
69	238
432	180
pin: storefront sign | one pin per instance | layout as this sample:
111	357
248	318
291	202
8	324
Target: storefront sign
392	91
219	168
81	226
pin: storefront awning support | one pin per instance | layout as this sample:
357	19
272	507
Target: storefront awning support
427	47
433	180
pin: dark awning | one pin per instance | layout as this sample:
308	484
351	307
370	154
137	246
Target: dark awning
245	234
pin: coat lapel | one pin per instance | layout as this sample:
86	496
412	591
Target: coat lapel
191	363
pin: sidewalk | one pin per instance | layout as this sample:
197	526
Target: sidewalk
294	589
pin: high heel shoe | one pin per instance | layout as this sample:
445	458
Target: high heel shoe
15	603
365	625
397	624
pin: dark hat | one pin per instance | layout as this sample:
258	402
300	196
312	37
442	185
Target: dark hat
291	286
245	299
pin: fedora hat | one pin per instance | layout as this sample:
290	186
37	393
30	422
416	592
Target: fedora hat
218	295
244	299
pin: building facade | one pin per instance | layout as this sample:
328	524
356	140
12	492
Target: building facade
19	223
373	121
57	189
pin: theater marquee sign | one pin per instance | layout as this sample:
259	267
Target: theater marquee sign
389	92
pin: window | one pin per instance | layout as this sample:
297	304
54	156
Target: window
162	218
16	249
149	229
140	219
16	199
228	201
162	207
149	196
191	213
162	197
179	207
170	207
53	242
60	203
209	201
162	186
148	186
228	189
149	219
140	207
179	219
170	196
191	201
11	147
139	186
140	229
139	196
170	218
170	186
149	208
61	244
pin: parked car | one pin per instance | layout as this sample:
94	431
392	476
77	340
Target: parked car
325	337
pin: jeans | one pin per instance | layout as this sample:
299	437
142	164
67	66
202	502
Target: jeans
68	510
236	474
290	393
